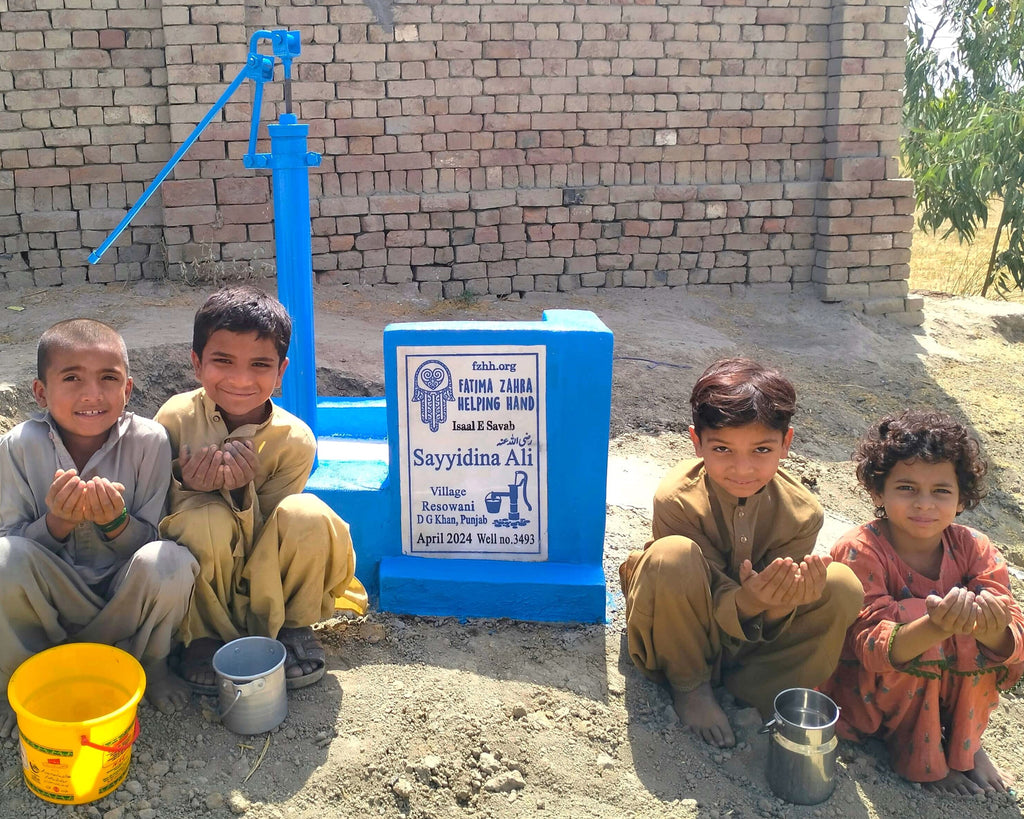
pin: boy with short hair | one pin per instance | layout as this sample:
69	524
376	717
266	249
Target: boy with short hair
84	487
727	589
272	561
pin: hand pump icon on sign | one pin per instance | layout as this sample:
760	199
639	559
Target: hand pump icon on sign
493	502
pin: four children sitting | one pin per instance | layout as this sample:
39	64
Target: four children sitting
137	533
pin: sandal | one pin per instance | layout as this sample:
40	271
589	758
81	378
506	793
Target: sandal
196	663
302	646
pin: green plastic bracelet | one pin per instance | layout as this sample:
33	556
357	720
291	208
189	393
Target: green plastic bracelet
107	528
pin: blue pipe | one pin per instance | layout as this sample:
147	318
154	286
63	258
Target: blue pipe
290	161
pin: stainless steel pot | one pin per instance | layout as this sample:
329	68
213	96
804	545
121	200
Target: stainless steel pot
802	746
253	697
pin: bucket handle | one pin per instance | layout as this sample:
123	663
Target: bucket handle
242	690
114	749
769	727
234	702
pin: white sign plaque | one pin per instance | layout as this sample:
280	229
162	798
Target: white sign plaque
473	452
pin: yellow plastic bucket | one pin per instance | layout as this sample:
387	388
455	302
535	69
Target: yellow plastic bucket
76	707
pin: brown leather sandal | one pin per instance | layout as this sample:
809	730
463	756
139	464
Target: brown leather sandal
195	661
302	646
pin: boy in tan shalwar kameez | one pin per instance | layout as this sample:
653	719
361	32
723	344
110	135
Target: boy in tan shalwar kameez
726	591
272	560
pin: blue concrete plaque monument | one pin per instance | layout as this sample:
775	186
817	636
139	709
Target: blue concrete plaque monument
485	495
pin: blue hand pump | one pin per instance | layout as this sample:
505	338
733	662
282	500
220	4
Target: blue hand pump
289	162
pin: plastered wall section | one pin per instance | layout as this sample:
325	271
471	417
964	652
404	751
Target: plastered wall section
480	147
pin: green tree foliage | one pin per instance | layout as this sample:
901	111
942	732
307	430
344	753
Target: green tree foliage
964	124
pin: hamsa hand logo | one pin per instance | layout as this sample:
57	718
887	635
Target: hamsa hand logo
432	389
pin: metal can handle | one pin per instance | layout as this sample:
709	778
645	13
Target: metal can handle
243	690
234	702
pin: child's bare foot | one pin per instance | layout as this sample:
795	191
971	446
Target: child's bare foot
954	783
164	691
700	710
8	719
986	775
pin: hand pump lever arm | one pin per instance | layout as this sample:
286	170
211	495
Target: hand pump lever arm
259	68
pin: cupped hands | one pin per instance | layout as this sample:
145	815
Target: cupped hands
213	468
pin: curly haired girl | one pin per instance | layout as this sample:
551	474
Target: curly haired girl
939	635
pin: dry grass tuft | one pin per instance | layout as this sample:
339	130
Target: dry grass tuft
943	265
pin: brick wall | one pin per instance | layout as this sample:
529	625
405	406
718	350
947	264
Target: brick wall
474	146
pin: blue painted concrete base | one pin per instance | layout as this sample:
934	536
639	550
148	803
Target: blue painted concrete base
358	475
544	592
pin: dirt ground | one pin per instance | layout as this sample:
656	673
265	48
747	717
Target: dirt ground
425	717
